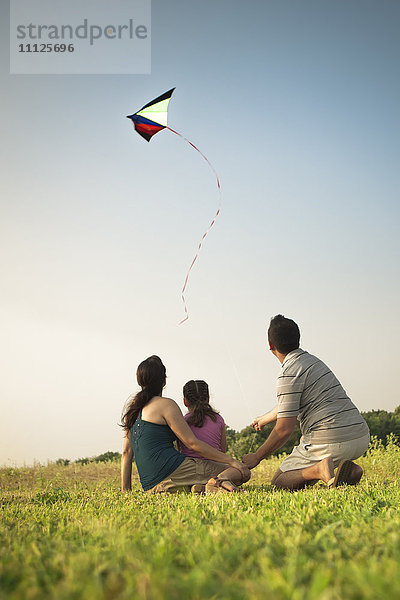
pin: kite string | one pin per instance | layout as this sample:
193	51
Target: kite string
245	401
209	227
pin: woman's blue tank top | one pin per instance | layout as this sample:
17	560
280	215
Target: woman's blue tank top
154	453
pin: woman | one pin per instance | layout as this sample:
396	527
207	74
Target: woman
152	423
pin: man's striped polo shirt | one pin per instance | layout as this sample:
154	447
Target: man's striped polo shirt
307	389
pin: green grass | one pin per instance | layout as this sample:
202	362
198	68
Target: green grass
68	533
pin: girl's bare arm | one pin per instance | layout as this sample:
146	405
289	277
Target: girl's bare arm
223	440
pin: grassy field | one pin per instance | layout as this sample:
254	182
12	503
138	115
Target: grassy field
68	533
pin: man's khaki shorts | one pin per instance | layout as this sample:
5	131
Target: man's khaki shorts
190	472
308	454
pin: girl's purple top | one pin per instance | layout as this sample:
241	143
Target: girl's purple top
210	433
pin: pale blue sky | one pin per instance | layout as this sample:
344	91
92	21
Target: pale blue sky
297	106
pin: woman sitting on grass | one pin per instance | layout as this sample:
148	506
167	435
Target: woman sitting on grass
152	423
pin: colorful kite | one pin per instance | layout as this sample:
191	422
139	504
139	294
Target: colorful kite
148	121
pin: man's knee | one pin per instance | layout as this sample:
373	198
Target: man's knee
276	477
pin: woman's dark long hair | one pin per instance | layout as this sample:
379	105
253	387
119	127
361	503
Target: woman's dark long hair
197	397
150	376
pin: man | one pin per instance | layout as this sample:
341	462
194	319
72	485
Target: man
333	431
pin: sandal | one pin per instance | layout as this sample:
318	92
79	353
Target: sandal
343	474
218	487
198	488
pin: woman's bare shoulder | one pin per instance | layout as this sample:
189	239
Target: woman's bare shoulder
167	405
162	401
158	408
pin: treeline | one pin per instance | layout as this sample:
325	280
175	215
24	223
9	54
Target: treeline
381	424
101	458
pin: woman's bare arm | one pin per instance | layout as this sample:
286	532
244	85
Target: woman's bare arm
126	464
269	417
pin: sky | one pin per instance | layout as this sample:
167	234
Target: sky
296	104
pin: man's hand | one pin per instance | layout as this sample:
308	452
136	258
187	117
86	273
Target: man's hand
250	460
269	417
244	469
257	424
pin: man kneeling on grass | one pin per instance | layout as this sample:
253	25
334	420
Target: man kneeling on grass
333	431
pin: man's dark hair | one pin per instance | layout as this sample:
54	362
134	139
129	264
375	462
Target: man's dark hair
284	334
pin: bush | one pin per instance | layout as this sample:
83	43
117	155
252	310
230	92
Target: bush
107	457
101	458
62	462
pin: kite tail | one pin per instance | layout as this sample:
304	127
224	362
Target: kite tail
209	227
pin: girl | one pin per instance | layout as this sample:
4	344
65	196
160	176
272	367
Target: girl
152	423
205	422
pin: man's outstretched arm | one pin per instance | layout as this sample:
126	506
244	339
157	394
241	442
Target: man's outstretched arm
269	417
279	435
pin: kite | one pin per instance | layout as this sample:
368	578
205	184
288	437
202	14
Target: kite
149	120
